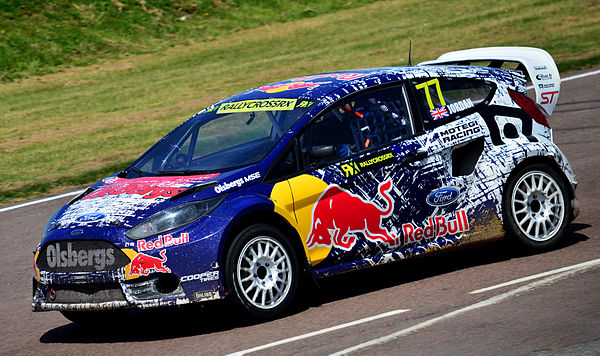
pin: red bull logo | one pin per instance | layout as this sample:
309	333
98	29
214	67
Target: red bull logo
338	215
438	226
143	264
277	88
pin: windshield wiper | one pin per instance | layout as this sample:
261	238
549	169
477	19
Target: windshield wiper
134	169
187	172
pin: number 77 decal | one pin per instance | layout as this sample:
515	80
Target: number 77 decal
425	85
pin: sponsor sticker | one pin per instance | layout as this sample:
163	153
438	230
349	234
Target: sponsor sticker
201	277
91	217
278	88
539	67
98	258
457	133
236	183
162	241
369	163
546	86
205	295
548	97
438	226
257	105
143	265
338	76
547	76
442	196
304	104
339	214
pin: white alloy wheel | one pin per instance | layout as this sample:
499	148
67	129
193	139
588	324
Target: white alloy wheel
263	272
538	205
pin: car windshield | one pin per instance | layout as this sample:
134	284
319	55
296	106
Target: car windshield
223	137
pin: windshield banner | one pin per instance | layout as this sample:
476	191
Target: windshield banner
257	105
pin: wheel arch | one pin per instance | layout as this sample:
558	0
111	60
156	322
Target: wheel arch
547	160
260	215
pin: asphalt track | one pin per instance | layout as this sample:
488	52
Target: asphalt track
543	304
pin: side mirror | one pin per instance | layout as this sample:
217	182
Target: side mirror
322	151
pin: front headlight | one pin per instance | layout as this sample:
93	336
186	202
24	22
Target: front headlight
173	218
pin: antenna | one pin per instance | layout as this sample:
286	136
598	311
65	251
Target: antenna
409	50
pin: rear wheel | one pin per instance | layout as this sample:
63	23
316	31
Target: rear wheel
535	207
262	271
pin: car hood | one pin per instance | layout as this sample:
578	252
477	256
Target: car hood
122	202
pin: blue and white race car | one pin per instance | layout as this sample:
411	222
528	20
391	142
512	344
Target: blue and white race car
317	175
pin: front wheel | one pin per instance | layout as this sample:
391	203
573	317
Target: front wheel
262	271
535	207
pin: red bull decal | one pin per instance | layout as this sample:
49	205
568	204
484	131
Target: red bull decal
277	88
143	264
438	226
338	215
148	188
338	76
162	242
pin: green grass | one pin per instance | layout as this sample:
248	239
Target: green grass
38	37
71	128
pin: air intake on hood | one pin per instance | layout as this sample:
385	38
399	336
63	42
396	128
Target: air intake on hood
195	189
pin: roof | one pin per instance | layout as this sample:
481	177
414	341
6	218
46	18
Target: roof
319	85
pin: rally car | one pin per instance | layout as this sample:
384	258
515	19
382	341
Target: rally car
317	175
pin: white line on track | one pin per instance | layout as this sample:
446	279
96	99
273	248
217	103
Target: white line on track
41	200
536	276
577	76
319	332
482	304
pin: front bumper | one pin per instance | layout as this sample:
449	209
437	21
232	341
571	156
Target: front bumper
52	293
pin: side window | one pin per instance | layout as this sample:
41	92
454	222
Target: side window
361	122
444	99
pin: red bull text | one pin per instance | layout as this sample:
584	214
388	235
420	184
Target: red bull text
163	241
438	226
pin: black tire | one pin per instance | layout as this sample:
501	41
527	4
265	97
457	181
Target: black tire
536	207
261	270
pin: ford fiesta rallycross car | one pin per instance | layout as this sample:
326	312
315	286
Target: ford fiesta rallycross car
320	174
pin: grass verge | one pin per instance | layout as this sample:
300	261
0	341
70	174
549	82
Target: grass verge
72	128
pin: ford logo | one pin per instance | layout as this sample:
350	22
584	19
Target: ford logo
442	196
91	217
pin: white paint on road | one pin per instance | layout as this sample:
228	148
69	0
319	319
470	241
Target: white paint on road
536	276
482	304
41	200
319	332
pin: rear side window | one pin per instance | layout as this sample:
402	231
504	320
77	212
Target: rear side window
442	100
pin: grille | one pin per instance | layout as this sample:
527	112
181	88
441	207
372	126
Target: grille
81	256
87	293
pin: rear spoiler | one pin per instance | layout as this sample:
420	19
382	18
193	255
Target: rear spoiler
536	63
